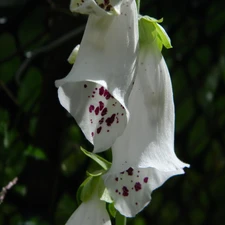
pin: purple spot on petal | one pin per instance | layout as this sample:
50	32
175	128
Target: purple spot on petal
104	111
116	190
137	186
125	191
92	134
97	111
125	188
85	85
99	130
101	105
108	8
146	179
130	171
109	121
101	90
107	94
91	108
101	120
101	5
116	179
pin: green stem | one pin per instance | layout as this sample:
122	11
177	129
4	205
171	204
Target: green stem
120	219
138	2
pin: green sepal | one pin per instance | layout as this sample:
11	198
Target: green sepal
147	31
150	31
103	192
163	36
78	195
98	159
152	19
112	210
86	189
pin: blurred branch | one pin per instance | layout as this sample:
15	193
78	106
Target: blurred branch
37	38
53	45
8	92
6	188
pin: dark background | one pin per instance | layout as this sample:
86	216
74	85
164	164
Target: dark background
39	141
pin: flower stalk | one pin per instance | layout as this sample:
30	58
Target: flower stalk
120	219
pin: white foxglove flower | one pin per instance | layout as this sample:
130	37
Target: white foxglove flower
97	7
91	212
96	90
143	156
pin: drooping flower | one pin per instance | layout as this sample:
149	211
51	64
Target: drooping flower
96	90
143	156
91	212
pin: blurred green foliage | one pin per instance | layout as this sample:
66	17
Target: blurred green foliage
39	141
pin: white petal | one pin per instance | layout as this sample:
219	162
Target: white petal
98	113
131	189
106	61
97	7
89	213
148	140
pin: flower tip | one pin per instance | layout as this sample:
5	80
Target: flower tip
73	55
117	9
58	83
187	165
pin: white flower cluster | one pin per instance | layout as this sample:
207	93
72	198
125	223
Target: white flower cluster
119	92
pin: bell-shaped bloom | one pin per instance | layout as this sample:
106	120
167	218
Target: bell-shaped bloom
97	7
90	212
96	90
143	156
